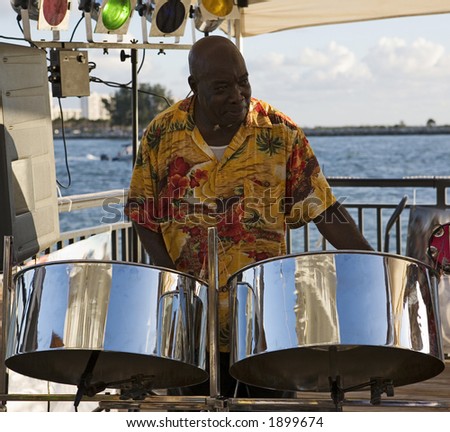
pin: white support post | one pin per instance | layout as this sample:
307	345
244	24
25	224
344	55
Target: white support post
7	277
213	269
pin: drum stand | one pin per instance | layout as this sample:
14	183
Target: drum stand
213	269
377	386
7	276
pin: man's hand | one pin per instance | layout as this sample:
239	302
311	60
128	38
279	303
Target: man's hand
339	228
155	246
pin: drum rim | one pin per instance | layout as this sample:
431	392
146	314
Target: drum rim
113	262
328	252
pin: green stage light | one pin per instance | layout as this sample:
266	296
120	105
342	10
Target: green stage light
116	13
114	16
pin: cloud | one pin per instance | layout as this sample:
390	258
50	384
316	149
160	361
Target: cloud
335	63
393	57
393	79
312	67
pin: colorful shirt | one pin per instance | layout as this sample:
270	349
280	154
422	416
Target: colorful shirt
267	177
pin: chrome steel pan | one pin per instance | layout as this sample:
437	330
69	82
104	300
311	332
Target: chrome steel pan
302	320
121	322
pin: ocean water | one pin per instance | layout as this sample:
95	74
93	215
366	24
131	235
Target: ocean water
384	157
371	157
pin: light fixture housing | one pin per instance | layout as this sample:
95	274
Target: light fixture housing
169	17
210	14
54	14
114	16
218	8
32	6
205	26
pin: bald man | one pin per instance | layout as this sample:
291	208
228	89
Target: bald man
223	158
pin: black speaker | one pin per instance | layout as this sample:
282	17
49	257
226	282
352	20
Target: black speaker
28	198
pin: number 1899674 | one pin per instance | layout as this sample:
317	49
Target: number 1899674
303	422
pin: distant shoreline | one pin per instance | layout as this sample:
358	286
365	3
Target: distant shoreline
316	131
377	130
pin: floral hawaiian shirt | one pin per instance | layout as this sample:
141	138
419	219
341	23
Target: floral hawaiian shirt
267	178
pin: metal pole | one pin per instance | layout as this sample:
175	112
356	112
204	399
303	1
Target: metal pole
134	101
7	276
135	134
213	270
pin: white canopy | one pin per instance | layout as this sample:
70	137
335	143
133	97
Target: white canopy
268	16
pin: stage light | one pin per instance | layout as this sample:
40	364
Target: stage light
88	6
145	8
169	17
54	15
114	16
210	14
50	14
205	26
30	6
217	8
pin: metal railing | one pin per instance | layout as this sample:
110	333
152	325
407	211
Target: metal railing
371	217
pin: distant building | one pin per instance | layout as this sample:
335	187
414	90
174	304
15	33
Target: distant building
92	107
68	113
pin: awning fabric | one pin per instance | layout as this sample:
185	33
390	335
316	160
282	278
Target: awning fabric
268	16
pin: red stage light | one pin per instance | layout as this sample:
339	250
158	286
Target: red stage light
54	11
54	15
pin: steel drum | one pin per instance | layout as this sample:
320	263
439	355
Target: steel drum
111	323
303	321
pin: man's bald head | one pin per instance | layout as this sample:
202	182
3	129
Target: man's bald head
207	50
219	82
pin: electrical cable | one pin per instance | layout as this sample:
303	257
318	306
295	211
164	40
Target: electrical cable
126	86
69	182
76	27
11	38
140	66
18	19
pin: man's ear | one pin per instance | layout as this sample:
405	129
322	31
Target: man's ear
192	84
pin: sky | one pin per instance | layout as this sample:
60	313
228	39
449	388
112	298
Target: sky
382	72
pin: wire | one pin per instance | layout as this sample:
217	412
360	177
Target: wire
156	95
127	86
76	26
18	19
140	66
69	182
12	38
142	61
